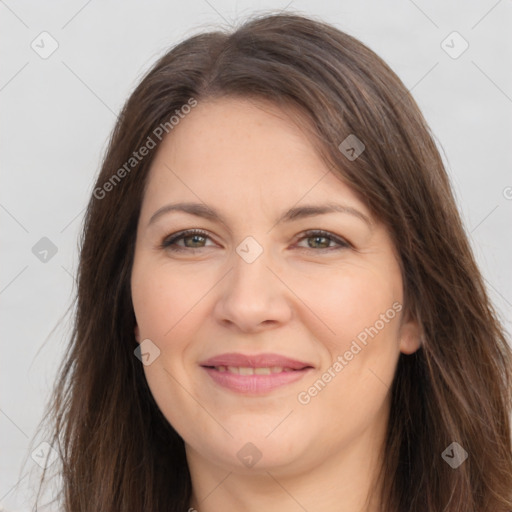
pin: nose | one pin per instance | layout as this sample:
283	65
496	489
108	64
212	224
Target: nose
252	296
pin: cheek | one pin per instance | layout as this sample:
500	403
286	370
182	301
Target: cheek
169	311
361	358
160	300
166	305
360	311
351	301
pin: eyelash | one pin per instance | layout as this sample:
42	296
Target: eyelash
169	242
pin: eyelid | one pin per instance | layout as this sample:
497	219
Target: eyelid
179	235
169	241
342	242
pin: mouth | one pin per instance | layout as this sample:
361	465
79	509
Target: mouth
247	370
255	375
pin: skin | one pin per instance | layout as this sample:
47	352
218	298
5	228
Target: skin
304	297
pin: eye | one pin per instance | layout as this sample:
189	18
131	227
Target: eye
322	239
196	239
195	236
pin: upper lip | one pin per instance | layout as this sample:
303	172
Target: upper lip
255	361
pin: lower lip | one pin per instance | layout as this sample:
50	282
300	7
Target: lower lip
255	384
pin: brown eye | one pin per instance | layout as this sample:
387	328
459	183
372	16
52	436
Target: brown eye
196	239
192	239
321	240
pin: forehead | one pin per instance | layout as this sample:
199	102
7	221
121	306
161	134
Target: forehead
242	152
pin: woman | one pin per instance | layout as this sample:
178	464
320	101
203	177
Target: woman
278	307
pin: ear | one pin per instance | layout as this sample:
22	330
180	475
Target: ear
410	335
137	333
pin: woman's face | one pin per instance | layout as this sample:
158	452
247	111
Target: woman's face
253	282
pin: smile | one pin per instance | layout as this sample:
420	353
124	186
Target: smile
257	381
241	370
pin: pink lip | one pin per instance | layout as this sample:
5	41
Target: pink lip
254	361
255	384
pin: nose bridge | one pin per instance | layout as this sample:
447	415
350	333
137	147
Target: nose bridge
251	293
251	274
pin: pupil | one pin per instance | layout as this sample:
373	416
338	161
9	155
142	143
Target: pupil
316	238
195	238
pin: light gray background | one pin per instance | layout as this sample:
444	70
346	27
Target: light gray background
57	114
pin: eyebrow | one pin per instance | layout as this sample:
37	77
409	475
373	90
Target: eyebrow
298	212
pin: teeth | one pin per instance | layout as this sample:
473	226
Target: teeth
253	371
261	371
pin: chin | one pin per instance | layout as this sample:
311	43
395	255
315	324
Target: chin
250	451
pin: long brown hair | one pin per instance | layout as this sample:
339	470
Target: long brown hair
119	453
